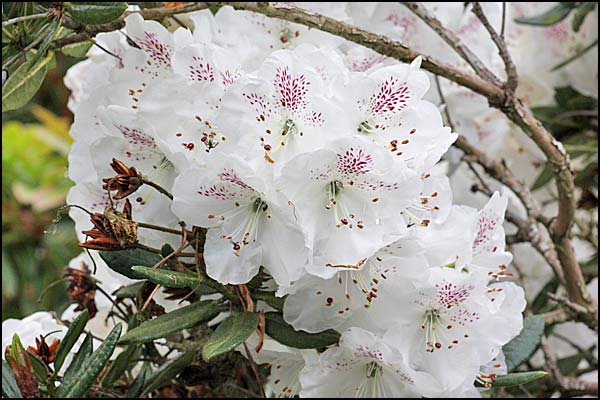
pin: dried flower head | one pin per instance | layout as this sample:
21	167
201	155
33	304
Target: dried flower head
112	230
82	289
45	352
125	182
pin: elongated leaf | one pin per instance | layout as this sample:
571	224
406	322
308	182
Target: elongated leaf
568	365
173	322
539	303
136	387
518	378
544	177
51	32
550	17
522	347
229	334
76	50
167	371
281	331
39	369
122	261
167	278
129	291
582	11
96	13
575	56
22	84
94	365
70	338
10	389
119	365
74	369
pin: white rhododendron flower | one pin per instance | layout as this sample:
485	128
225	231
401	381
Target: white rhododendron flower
311	170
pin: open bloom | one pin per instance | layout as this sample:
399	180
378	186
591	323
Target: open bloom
250	225
283	109
364	365
346	197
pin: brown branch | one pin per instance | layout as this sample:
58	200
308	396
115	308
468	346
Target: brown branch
512	79
566	385
453	41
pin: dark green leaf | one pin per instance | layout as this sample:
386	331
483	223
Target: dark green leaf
582	11
550	17
270	299
167	278
74	369
281	331
175	321
138	384
229	334
23	83
524	345
10	389
166	250
94	365
543	178
540	301
167	371
129	291
119	365
122	261
39	369
96	13
51	32
67	343
568	365
518	378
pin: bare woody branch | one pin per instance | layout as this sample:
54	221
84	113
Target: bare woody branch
453	41
512	79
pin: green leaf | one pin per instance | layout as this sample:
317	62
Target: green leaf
175	321
51	32
136	387
94	365
67	343
543	178
10	388
518	378
119	365
229	334
23	83
122	261
96	13
524	345
270	299
39	369
582	11
568	365
540	301
550	17
77	50
167	371
129	291
281	331
167	278
74	369
575	56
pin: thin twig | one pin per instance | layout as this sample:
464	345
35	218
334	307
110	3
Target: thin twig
24	18
157	187
512	79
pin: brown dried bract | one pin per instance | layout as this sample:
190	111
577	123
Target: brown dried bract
45	352
82	289
112	230
125	182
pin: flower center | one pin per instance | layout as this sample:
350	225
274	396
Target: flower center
368	127
289	129
247	233
371	386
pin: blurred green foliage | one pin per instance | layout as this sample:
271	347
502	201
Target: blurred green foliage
36	245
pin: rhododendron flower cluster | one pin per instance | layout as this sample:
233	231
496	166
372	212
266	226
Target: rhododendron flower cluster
320	169
316	163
